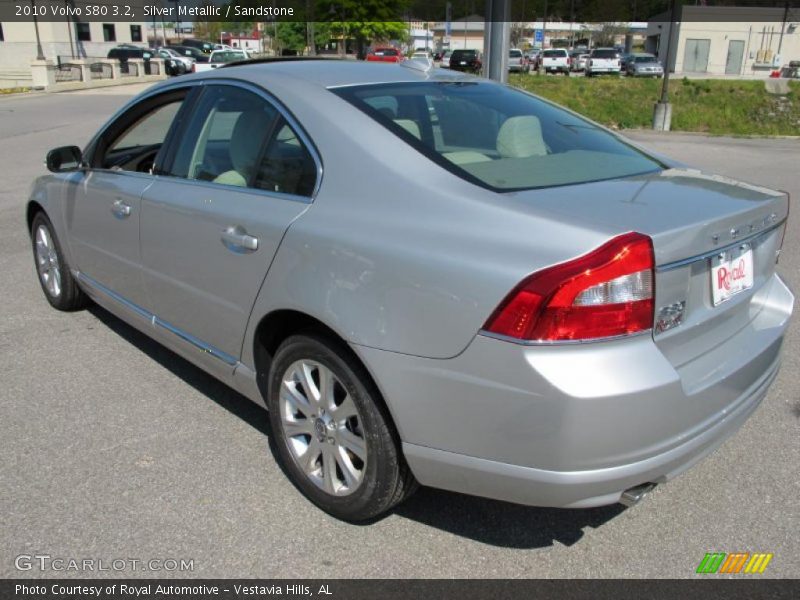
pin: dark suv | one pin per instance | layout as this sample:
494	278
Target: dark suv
124	52
466	60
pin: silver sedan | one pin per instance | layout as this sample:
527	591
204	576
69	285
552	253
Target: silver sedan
426	278
643	65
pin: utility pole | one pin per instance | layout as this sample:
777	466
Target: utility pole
544	34
496	38
783	26
662	111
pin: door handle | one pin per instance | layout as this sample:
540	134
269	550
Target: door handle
120	209
236	238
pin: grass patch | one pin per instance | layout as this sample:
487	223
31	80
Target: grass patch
716	106
16	90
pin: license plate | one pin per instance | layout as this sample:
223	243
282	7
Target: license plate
463	62
731	273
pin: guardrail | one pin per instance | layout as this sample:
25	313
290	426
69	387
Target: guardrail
67	73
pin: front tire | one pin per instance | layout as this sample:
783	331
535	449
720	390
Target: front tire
55	277
330	431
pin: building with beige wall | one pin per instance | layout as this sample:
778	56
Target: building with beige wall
59	38
727	41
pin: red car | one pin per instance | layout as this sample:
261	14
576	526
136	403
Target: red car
385	55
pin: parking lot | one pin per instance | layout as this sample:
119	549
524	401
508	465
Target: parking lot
114	447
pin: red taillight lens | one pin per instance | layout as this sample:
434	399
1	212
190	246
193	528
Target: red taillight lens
606	293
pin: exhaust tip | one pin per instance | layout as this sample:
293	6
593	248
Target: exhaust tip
632	496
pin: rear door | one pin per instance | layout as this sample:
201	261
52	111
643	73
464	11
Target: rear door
240	173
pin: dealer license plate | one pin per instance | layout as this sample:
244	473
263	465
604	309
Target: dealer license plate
731	273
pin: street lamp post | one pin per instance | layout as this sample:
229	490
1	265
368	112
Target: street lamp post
39	51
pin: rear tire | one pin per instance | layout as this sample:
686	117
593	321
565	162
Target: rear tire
331	432
52	269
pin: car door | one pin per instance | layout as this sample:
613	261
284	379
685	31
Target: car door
241	173
103	205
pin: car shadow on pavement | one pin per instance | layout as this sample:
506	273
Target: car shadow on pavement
503	524
228	398
488	521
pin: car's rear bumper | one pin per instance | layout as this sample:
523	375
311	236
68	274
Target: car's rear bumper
575	425
574	489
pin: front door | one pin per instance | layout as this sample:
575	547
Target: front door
733	62
210	228
103	205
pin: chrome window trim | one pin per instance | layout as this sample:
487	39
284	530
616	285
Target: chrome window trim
259	91
293	123
753	240
156	321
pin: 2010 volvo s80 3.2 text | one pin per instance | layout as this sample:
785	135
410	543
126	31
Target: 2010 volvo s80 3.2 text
426	277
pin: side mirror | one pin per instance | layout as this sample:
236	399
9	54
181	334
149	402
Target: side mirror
64	159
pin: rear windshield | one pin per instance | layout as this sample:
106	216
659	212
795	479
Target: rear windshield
555	53
386	52
464	53
498	137
515	53
604	54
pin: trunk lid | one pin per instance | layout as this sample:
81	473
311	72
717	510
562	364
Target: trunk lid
694	219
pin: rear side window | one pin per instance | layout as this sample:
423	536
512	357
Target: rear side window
498	137
235	137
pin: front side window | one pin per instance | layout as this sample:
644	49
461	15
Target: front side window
134	142
236	137
498	137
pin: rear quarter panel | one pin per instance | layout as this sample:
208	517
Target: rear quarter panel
396	253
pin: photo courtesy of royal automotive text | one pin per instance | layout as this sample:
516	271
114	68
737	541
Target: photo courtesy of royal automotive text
399	299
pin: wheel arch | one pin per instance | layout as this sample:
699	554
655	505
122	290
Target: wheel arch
33	207
280	324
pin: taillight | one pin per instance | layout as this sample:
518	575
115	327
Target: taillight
605	293
194	67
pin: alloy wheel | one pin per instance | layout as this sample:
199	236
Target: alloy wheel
322	427
47	262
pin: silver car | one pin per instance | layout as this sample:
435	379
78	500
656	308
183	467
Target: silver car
426	277
643	65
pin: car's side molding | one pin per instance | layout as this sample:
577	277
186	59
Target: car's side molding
156	321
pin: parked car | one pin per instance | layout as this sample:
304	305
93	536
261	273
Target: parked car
533	56
466	60
623	59
202	45
391	55
579	64
556	61
530	308
517	63
574	55
125	52
603	60
193	53
219	58
174	62
644	65
445	59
